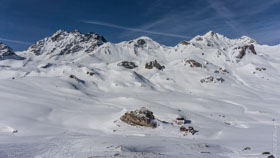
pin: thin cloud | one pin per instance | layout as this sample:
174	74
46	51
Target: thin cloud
134	29
227	14
15	41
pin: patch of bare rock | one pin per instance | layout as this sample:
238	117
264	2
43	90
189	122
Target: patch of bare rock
212	79
127	64
141	117
153	64
192	63
246	49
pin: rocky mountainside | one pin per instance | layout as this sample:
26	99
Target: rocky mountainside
7	52
212	57
63	43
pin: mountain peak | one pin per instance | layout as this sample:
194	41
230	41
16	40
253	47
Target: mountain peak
7	52
247	39
62	42
210	33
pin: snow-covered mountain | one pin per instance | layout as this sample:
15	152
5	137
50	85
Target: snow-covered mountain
63	43
7	52
66	96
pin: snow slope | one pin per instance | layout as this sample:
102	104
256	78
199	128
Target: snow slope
66	95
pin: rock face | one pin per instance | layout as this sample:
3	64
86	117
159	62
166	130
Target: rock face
7	52
185	43
212	79
127	64
193	63
221	71
142	117
246	49
140	43
62	42
153	64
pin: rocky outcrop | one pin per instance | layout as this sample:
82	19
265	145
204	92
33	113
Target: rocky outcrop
185	43
62	42
7	52
90	73
212	79
260	68
153	64
246	49
127	64
46	66
142	117
192	63
221	71
76	78
140	43
190	129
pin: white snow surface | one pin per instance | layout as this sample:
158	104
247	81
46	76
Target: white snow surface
46	114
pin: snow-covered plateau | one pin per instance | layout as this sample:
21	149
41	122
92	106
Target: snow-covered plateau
64	97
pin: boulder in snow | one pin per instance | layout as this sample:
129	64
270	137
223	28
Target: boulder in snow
153	64
127	64
142	117
193	63
212	79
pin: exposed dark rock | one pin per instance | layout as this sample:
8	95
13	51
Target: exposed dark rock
191	130
193	63
142	117
270	156
46	66
212	79
90	73
260	68
7	52
220	79
247	48
183	129
153	64
227	123
246	148
185	43
198	39
141	42
127	64
266	153
205	152
76	78
221	70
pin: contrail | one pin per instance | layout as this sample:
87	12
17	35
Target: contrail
133	29
14	41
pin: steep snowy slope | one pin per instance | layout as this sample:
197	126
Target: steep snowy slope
66	97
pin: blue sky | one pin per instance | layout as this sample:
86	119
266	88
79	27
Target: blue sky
23	22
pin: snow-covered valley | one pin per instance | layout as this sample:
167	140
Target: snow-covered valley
65	95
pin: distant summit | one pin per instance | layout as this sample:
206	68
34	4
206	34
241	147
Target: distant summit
62	43
7	52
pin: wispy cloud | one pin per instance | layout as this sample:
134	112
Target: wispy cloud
15	41
227	14
134	29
